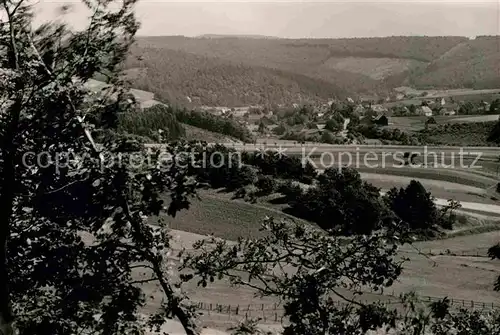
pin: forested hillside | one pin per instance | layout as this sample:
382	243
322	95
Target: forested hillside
244	70
308	51
475	64
173	75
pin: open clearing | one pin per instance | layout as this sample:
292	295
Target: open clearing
375	68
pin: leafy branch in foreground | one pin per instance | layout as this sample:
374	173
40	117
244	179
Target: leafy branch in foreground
308	269
311	271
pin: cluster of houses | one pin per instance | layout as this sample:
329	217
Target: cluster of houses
369	112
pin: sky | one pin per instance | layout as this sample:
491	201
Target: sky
302	19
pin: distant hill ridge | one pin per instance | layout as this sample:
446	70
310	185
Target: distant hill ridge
237	36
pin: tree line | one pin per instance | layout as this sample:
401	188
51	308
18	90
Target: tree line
169	121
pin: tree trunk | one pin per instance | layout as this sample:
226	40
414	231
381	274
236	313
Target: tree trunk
187	322
7	195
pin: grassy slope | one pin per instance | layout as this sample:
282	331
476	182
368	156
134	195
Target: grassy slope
217	214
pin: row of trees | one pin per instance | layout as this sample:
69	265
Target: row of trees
222	167
392	135
212	123
169	120
149	121
343	203
471	134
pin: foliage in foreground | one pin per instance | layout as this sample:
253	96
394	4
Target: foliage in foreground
73	212
310	271
74	224
306	268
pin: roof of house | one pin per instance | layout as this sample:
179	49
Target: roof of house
426	109
379	108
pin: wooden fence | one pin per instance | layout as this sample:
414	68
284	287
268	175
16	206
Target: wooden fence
274	312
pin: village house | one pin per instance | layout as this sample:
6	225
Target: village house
381	120
379	109
425	110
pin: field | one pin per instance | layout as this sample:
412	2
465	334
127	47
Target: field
217	214
427	271
482	118
433	269
417	123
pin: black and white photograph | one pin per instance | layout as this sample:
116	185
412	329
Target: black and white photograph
281	167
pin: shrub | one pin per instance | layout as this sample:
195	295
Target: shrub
213	123
415	206
333	125
291	190
431	120
251	194
265	184
341	202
